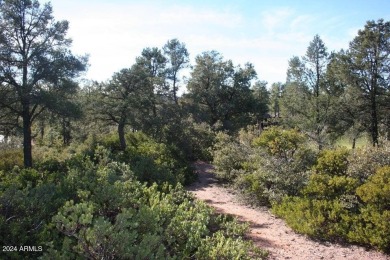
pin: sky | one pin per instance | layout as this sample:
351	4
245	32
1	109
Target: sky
265	33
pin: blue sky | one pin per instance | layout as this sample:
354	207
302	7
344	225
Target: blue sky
265	33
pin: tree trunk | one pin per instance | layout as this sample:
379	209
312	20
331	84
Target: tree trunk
374	119
27	148
66	132
121	134
175	90
42	130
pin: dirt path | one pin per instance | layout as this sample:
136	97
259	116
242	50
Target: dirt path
266	230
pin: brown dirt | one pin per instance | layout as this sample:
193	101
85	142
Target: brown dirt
268	231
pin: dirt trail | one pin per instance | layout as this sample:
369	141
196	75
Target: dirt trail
268	231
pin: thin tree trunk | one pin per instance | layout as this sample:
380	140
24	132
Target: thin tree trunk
27	148
374	117
121	134
66	132
175	90
42	130
353	143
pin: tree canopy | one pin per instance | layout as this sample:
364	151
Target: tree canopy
36	65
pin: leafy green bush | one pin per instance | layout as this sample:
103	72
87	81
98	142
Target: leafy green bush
264	168
255	188
272	178
365	161
197	139
376	191
97	208
27	203
10	158
346	204
332	162
118	217
274	175
155	162
322	219
150	161
229	157
221	247
371	227
279	142
324	186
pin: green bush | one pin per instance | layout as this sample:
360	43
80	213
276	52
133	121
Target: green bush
11	158
332	162
279	142
340	207
255	188
376	191
118	217
219	246
98	209
323	219
371	227
272	177
150	161
197	139
365	161
328	187
155	162
27	203
274	166
229	157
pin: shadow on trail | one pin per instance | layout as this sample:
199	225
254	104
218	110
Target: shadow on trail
205	175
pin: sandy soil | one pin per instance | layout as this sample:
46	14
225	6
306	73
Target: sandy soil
268	231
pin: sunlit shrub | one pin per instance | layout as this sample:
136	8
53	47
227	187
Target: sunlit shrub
219	246
279	142
376	191
322	219
332	162
365	161
11	158
324	186
371	227
334	206
254	187
118	217
264	168
229	157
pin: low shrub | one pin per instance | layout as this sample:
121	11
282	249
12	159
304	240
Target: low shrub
219	246
332	162
98	209
322	219
371	227
11	158
279	142
229	157
340	207
328	187
376	191
365	161
128	220
255	188
264	168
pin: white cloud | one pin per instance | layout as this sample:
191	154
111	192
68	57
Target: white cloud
185	15
301	22
115	33
274	19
